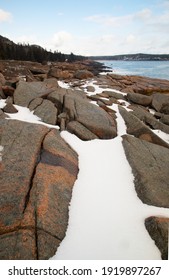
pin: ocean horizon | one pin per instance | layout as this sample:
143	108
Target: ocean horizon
152	69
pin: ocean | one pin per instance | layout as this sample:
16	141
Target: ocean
152	69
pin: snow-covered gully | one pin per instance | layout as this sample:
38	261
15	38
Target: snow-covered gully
106	218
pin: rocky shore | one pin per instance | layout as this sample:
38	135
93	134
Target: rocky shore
38	168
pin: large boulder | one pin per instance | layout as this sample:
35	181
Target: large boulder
59	74
139	99
46	110
76	107
83	74
158	230
139	129
150	165
26	92
10	109
149	119
160	103
38	171
91	116
165	119
109	94
57	97
80	130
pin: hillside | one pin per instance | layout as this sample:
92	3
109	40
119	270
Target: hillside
10	50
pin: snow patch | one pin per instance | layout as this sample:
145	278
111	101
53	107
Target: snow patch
63	84
2	103
25	115
106	218
164	136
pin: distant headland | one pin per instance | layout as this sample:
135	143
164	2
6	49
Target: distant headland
135	57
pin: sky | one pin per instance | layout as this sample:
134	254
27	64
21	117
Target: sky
89	27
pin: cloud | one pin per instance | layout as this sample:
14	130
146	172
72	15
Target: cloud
143	15
117	21
61	38
5	16
109	20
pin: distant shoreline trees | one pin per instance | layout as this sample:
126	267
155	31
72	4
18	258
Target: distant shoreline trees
11	51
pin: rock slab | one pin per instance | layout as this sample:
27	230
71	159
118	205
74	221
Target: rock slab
38	170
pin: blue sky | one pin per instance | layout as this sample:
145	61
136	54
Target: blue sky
88	27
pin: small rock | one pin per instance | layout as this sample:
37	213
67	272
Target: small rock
90	89
10	109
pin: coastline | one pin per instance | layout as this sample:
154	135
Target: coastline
66	123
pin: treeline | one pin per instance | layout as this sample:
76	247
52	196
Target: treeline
10	50
130	57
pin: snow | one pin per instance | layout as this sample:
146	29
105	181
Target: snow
63	84
24	114
106	218
98	89
2	103
1	150
162	135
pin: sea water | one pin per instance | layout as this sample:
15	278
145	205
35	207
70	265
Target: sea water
152	69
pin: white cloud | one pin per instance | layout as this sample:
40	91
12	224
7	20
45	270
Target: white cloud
5	16
61	38
122	21
110	20
144	14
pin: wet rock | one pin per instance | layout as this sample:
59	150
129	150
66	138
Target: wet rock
150	165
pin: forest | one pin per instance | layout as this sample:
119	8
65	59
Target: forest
11	51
